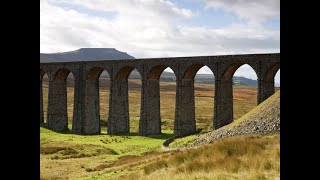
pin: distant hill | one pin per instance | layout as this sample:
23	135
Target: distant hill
95	54
200	78
85	54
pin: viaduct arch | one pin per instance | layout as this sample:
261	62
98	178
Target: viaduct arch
86	115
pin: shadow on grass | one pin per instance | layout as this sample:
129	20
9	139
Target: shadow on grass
69	131
43	125
160	136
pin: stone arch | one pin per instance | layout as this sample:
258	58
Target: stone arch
271	72
156	71
230	70
191	71
124	72
62	74
95	72
42	73
267	83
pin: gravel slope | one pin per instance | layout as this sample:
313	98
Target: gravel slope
262	120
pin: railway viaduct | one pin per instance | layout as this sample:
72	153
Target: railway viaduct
86	115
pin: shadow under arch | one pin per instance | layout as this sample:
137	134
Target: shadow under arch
95	73
267	84
156	72
192	70
271	72
229	72
124	72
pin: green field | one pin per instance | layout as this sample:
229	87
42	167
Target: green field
70	156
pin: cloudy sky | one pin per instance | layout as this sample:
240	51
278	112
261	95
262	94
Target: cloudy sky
163	28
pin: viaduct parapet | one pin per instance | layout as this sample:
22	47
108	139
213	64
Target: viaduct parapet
86	115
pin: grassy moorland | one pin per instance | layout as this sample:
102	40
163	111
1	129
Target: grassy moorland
70	156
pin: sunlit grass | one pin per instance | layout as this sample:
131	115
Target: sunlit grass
247	157
90	150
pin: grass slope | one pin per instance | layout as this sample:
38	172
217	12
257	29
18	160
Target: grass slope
249	157
64	155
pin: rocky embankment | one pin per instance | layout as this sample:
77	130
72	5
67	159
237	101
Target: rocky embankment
262	120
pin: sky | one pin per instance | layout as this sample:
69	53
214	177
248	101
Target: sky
163	28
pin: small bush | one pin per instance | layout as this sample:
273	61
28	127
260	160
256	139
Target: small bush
69	151
89	169
258	176
50	149
267	165
101	167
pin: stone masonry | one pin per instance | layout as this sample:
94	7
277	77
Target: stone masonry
86	115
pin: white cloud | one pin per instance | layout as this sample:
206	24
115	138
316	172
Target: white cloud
256	11
147	8
145	29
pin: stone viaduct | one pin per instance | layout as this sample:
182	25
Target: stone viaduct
86	115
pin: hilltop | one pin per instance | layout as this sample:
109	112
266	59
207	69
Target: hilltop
85	54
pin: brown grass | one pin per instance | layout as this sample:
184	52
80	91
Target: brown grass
247	157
